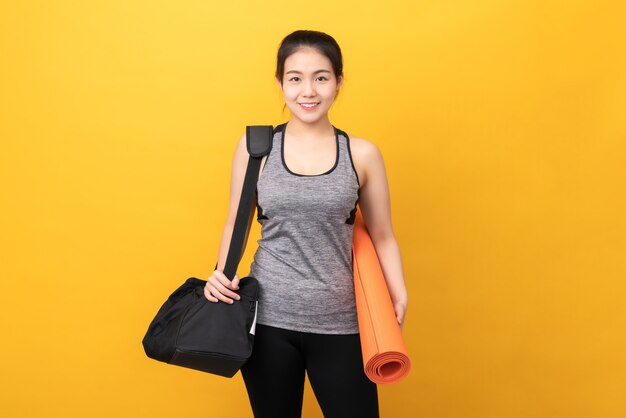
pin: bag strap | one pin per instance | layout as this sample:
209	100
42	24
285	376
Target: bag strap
259	140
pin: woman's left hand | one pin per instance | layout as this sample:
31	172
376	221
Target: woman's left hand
400	309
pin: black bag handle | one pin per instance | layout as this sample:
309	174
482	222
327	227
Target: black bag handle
259	140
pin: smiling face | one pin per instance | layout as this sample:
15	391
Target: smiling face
309	84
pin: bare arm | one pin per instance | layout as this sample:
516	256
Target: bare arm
218	286
238	172
376	208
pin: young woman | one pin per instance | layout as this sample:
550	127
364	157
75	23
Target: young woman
307	193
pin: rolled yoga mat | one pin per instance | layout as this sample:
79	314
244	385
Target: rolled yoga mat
385	357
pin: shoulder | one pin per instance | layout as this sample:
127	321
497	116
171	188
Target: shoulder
240	156
364	148
241	143
241	151
365	155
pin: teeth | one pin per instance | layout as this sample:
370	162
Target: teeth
308	105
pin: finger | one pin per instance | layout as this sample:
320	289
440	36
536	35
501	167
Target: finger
223	293
219	296
225	281
209	296
235	283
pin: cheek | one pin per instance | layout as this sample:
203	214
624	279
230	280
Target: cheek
329	93
289	93
332	90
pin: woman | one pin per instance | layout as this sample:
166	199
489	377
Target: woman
307	193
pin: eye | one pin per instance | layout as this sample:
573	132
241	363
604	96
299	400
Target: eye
322	78
294	78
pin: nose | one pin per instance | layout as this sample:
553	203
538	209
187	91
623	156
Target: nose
308	89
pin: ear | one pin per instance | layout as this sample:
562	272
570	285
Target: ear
340	81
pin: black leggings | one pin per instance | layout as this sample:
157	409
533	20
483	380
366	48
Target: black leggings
274	374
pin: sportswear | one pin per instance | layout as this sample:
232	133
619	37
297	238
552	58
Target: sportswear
304	257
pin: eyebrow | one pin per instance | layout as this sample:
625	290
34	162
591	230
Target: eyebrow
316	72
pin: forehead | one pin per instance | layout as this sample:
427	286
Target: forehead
307	59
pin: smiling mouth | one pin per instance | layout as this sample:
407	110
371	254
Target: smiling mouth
308	105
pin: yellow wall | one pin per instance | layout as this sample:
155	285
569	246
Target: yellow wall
502	127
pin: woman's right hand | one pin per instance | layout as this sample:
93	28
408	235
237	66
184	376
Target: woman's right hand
218	287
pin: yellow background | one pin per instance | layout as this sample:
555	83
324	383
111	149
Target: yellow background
502	127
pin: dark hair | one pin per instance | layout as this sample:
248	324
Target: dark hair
321	41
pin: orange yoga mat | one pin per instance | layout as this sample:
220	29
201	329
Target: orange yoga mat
384	354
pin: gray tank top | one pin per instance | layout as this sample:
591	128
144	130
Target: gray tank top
304	258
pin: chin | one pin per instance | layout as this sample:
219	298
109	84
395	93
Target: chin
310	118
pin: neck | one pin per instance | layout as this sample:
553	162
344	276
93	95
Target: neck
317	129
